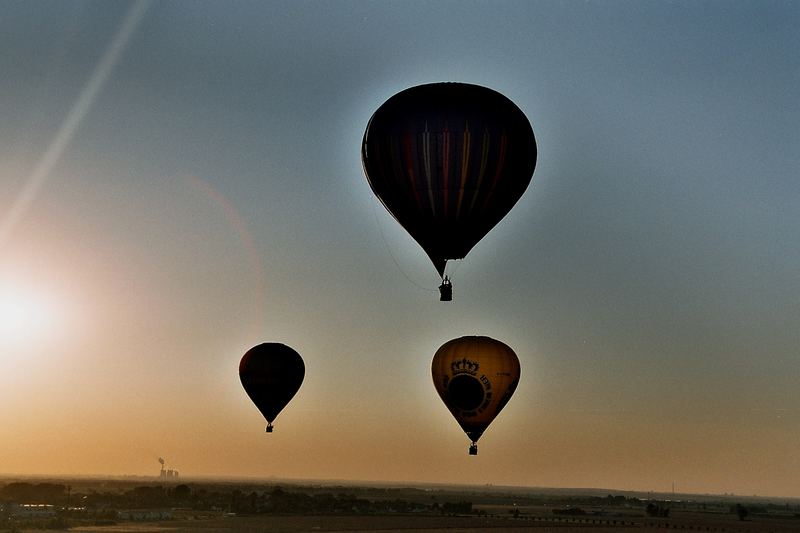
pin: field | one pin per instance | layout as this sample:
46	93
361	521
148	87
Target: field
140	505
430	524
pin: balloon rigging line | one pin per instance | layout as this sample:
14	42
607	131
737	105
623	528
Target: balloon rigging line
75	116
394	259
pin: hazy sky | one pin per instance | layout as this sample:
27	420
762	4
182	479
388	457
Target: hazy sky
180	181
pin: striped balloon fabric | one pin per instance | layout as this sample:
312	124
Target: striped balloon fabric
448	160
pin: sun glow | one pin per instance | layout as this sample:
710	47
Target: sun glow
27	314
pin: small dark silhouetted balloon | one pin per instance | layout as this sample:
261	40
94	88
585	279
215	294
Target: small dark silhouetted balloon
475	377
448	160
271	374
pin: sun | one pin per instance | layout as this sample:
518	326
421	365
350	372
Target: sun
27	314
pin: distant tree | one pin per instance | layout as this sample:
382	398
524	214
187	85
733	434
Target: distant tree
656	510
741	511
253	502
570	511
22	492
182	492
457	508
150	496
236	495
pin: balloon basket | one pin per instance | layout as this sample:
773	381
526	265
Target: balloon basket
473	449
446	291
269	428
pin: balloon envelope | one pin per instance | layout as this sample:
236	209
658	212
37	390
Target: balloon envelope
448	160
475	377
271	374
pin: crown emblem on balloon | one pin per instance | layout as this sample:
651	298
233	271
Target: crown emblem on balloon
464	366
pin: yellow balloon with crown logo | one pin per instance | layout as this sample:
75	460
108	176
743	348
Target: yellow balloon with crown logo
475	377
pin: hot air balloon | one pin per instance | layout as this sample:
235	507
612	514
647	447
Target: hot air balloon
448	161
475	377
271	374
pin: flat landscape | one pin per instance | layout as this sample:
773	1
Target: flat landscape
139	505
442	524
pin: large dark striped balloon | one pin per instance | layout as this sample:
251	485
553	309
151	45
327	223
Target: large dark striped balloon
448	160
